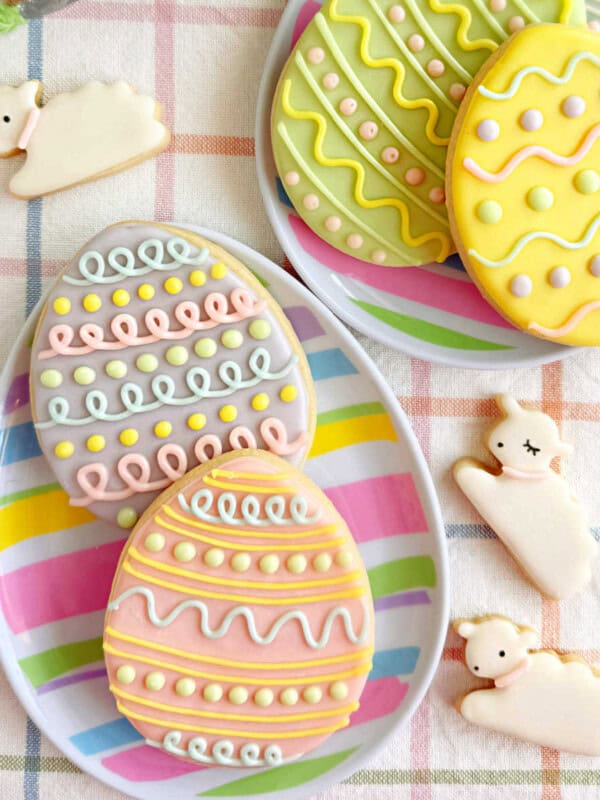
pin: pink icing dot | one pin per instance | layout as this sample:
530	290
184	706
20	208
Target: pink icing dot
368	130
348	106
488	130
521	286
497	6
379	256
560	277
458	91
316	55
435	68
516	24
331	80
573	106
415	176
437	195
390	155
292	179
333	224
311	202
595	266
355	241
531	120
397	14
416	43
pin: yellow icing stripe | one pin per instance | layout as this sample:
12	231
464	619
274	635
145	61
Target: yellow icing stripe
274	720
358	591
465	23
300	734
243	487
230	531
335	435
397	67
304	548
364	653
358	168
251	476
567	10
352	577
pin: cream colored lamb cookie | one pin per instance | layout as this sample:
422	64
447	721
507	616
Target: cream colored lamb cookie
529	505
78	136
541	697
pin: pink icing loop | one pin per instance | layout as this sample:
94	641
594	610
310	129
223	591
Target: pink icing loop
241	438
93	336
275	436
60	338
188	315
245	305
216	306
141	465
168	454
125	330
158	323
208	447
95	490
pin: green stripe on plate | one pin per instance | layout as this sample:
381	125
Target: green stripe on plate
260	279
475	777
33	492
350	412
400	575
287	776
427	331
49	664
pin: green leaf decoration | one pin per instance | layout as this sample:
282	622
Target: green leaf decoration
10	18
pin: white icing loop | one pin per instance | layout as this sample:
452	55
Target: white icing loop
222	752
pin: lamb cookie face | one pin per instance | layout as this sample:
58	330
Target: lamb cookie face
240	625
364	111
157	351
524	183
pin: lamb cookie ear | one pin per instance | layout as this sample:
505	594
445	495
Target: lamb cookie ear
529	639
508	405
465	629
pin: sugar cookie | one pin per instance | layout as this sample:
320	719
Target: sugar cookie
529	505
524	183
364	110
541	697
77	136
150	353
224	642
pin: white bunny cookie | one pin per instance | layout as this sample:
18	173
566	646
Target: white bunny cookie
539	696
527	504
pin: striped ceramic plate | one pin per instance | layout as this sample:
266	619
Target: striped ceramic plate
432	312
57	565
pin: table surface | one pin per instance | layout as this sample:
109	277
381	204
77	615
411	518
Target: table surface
203	61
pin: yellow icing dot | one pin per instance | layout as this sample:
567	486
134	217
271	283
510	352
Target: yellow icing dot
116	369
155	681
163	429
64	450
260	329
184	551
146	362
129	437
177	355
218	271
296	564
96	443
212	693
269	564
127	517
198	277
205	348
84	376
587	181
344	558
241	562
173	285
228	413
62	306
322	562
154	542
51	378
260	402
196	422
126	674
232	339
146	291
312	694
214	557
263	698
121	298
540	198
489	212
91	303
289	697
338	690
185	687
238	695
288	394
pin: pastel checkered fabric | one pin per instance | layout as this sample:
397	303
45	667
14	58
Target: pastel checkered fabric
203	61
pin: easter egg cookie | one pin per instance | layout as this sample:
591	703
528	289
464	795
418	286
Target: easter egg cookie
524	183
157	351
364	111
240	625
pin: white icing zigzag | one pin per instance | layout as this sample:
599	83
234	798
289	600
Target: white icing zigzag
248	615
222	752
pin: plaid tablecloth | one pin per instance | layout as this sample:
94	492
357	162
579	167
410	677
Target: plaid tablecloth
203	61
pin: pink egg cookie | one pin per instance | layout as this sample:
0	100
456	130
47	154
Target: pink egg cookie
240	624
157	351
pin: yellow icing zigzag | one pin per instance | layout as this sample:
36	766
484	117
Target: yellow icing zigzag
323	160
565	15
466	20
399	69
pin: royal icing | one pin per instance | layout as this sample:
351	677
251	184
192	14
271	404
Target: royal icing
542	173
242	557
402	71
529	505
135	388
539	696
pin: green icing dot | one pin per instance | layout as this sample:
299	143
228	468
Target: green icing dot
126	674
489	212
116	369
146	362
260	329
155	681
154	542
84	376
540	198
205	348
587	181
51	378
177	355
127	517
232	339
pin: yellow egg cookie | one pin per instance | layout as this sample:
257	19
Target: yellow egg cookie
524	183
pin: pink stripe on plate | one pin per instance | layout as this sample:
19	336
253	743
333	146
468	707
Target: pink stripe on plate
37	595
18	394
380	698
411	283
307	12
147	763
380	507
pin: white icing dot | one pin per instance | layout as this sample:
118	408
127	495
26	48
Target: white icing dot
516	24
292	179
311	202
390	155
560	277
368	130
331	80
458	91
348	106
416	43
435	68
531	120
573	106
379	256
397	14
521	286
497	6
333	224
355	241
488	130
595	266
437	195
316	55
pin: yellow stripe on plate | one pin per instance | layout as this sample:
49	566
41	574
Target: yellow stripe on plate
39	515
345	433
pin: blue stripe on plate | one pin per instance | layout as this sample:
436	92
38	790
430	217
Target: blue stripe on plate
18	444
388	663
106	737
330	364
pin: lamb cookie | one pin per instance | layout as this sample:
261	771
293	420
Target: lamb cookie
541	697
77	136
524	183
156	351
364	111
240	625
529	505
